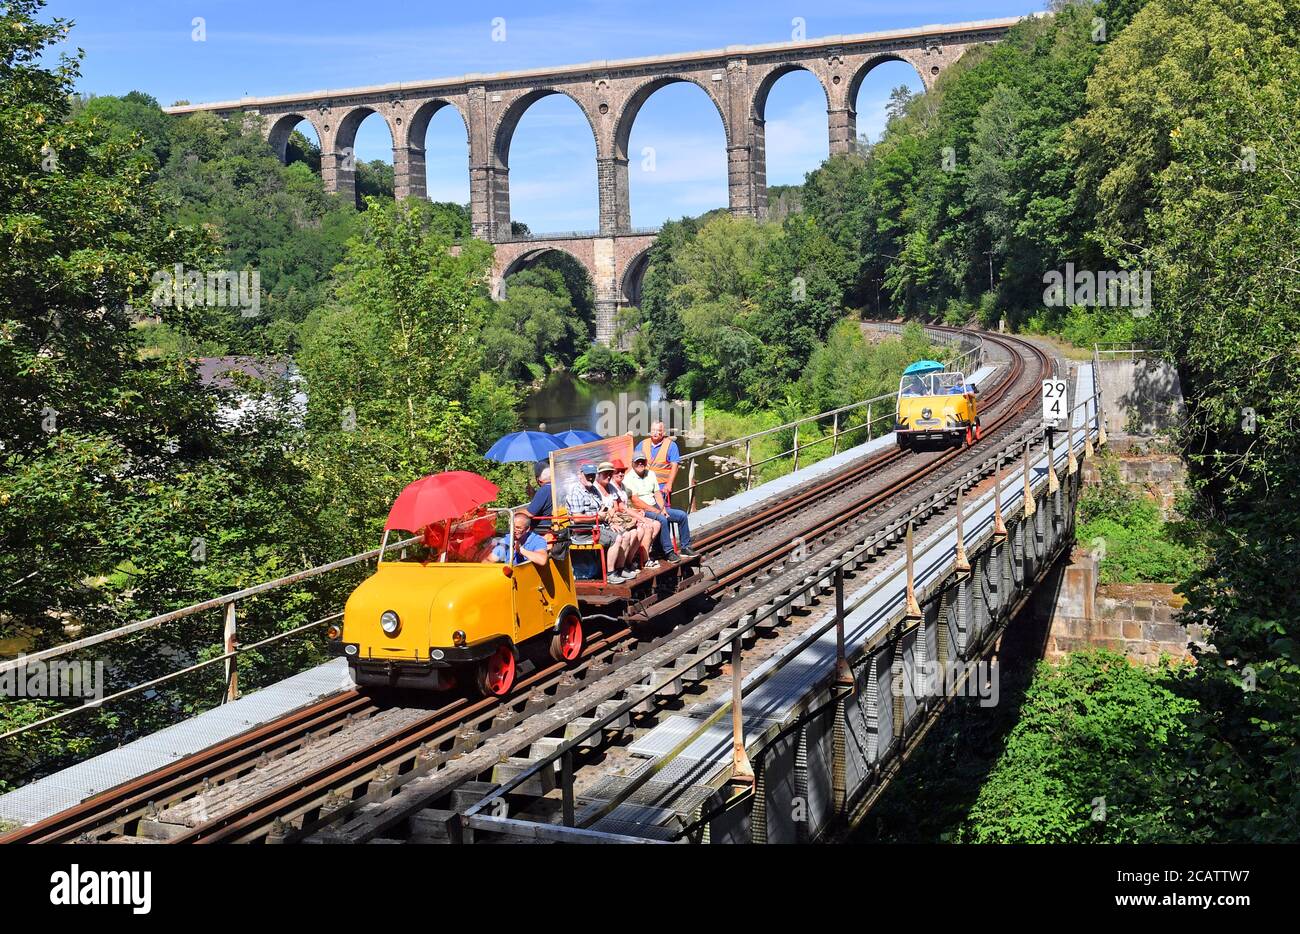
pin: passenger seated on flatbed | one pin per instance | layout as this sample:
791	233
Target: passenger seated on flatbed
648	527
529	546
621	519
645	492
584	504
541	506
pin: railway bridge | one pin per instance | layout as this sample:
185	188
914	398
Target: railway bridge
841	607
737	80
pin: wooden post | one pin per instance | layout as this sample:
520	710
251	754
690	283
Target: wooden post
749	467
566	788
913	607
231	643
1030	505
690	485
843	674
999	527
742	773
835	435
796	446
961	564
1053	482
1101	419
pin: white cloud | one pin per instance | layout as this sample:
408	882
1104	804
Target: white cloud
796	142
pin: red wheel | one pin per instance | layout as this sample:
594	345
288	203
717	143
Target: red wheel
979	431
566	645
970	437
496	673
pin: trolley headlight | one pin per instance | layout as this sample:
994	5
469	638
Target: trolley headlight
925	413
389	622
436	654
350	649
334	631
458	638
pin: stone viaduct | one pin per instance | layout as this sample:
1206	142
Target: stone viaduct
610	93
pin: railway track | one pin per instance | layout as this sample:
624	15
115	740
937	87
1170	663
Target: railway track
327	762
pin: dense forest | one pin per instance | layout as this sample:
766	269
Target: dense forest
1158	137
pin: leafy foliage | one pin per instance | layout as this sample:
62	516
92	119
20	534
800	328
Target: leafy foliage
735	307
1094	758
128	488
114	463
534	328
603	364
1135	543
1190	144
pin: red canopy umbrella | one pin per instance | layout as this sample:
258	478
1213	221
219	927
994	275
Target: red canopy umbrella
437	497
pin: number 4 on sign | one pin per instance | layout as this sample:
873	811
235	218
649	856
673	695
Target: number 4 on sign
1053	400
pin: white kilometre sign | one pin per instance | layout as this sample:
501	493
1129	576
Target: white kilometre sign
1054	400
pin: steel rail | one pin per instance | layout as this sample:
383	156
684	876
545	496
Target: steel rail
481	821
440	726
123	801
902	483
785	506
277	803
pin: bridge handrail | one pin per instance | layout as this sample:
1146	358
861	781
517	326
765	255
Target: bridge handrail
230	600
224	600
226	656
573	234
834	572
972	355
1120	347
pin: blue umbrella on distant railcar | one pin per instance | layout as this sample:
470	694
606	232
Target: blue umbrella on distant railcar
523	446
575	436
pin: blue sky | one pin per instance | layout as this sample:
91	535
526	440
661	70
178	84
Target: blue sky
275	47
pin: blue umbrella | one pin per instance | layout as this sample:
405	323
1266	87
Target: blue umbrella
523	446
575	436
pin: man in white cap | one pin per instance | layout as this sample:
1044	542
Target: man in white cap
646	493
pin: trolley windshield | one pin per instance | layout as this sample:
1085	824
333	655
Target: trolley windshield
931	384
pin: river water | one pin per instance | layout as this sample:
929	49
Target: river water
610	409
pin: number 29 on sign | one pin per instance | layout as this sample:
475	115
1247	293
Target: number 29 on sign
1054	400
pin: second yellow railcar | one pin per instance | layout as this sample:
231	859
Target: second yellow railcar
935	405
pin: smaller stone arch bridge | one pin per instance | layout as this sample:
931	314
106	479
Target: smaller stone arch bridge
614	262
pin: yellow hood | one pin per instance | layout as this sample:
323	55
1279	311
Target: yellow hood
432	601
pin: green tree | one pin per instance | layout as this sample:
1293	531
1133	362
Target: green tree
533	329
1204	188
113	463
374	179
1095	757
86	423
393	368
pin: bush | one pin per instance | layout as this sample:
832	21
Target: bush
1084	327
1095	757
1136	545
601	364
957	314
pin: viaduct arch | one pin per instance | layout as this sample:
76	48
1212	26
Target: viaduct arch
736	79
